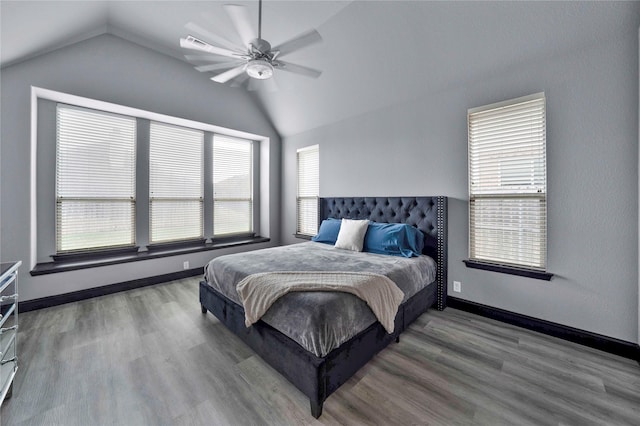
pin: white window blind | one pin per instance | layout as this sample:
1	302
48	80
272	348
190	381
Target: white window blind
507	183
175	183
95	179
232	186
308	190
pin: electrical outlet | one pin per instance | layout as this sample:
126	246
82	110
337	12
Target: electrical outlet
185	264
457	286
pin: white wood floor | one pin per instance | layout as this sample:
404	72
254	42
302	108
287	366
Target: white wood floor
149	357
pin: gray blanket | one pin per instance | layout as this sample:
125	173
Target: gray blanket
318	321
258	291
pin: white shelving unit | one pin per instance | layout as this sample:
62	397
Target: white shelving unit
8	327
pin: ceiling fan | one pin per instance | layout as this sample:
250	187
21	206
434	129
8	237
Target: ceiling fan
256	59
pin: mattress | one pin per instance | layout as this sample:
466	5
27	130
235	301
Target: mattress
318	321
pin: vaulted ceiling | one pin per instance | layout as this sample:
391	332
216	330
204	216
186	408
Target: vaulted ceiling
374	53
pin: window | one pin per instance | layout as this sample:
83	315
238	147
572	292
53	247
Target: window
232	186
128	181
308	190
175	183
95	180
507	183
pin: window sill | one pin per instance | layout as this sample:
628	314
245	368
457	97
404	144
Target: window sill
115	259
523	272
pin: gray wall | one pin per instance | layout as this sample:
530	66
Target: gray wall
110	69
420	148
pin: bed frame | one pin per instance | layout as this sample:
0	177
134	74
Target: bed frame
318	377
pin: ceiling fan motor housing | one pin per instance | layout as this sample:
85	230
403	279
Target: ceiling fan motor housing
261	46
260	67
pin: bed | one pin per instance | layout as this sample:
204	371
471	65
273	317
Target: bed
318	366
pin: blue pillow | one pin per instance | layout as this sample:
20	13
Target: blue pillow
396	239
328	233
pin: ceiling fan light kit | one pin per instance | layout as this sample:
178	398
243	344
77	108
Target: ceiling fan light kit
260	69
257	59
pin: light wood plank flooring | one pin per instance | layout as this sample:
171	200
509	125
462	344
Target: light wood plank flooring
149	357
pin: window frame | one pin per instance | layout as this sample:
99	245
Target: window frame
534	187
131	200
199	199
307	233
250	200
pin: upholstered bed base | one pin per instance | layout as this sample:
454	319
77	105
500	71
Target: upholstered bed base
318	377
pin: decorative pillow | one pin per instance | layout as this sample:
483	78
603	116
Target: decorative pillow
328	232
396	239
351	235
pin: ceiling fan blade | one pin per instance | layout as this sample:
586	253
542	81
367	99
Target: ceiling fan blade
219	66
303	40
298	69
240	17
195	44
207	58
228	75
211	37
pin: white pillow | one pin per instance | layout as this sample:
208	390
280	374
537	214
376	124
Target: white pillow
351	235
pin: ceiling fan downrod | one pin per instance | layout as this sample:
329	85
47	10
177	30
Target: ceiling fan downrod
259	19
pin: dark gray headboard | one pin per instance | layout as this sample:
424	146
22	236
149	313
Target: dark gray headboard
429	214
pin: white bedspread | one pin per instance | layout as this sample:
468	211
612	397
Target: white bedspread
258	292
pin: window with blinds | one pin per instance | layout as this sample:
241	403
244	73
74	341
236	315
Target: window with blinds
176	183
507	183
232	186
308	190
95	180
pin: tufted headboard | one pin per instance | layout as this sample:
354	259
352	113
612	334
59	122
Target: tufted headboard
429	214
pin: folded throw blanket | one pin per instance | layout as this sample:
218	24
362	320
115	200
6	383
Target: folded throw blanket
258	292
